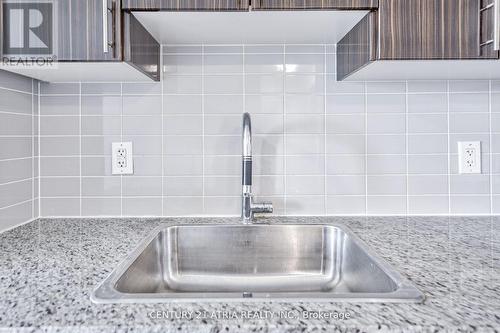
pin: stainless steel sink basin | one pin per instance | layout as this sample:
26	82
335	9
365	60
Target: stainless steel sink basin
254	262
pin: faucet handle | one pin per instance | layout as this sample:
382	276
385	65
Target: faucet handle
262	207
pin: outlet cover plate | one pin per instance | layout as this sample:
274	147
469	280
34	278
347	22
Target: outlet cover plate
122	158
469	157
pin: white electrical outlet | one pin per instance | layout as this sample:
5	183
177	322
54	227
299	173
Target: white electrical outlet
122	158
469	157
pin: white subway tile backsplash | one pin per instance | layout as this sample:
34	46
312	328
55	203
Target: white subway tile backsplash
428	103
101	88
60	105
345	104
183	186
142	206
15	170
59	187
304	84
101	207
15	147
217	104
304	104
141	88
183	104
423	86
223	63
263	84
469	123
183	145
101	187
304	63
15	124
346	144
305	165
427	144
182	64
101	105
427	164
182	84
263	63
386	185
346	205
304	124
54	146
223	84
92	125
183	165
427	184
470	103
255	104
382	103
385	164
428	205
320	146
305	185
469	86
385	87
182	125
141	186
59	125
383	205
386	144
386	123
345	124
141	105
345	185
183	206
345	165
427	123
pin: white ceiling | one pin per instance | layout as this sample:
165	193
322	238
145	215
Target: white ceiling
290	27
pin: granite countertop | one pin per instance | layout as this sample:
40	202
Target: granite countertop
48	269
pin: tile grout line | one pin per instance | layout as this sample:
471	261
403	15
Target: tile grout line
162	134
203	189
33	148
449	143
80	143
365	88
325	187
490	105
407	149
121	140
285	177
39	153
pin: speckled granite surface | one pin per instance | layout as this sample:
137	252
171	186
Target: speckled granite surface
48	269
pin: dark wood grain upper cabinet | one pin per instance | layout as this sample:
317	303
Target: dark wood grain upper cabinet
88	30
313	4
186	5
419	30
431	29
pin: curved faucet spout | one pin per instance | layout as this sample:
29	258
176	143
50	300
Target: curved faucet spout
247	136
248	206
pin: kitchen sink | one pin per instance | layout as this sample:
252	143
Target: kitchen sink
254	262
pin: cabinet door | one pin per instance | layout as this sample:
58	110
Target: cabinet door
430	29
88	30
488	26
202	5
141	49
313	4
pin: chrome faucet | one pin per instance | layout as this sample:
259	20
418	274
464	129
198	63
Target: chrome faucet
248	206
